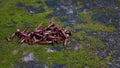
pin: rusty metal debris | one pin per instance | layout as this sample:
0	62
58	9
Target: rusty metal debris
50	34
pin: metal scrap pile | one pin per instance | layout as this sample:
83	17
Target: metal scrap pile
50	34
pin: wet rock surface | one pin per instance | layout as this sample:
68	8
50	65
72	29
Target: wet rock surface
30	64
37	64
56	65
68	11
33	10
112	41
29	57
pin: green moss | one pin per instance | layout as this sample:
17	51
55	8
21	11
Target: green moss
79	5
90	24
11	18
81	35
10	15
7	58
86	17
76	58
98	10
94	43
89	42
69	57
96	27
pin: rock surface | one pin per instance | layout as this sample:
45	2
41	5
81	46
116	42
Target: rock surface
29	57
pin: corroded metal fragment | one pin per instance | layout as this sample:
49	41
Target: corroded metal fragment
48	35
